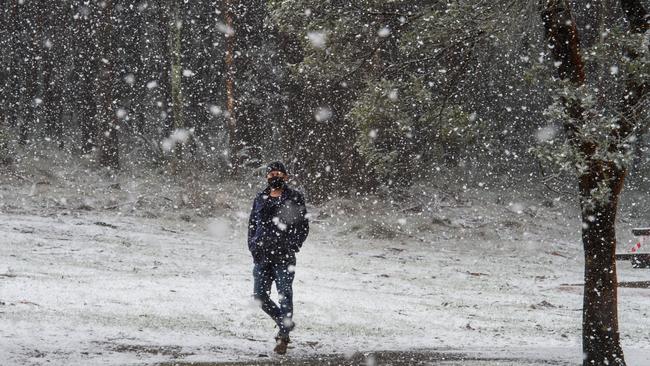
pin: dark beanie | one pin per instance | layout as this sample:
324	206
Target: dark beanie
276	166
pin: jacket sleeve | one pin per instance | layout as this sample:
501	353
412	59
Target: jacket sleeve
301	227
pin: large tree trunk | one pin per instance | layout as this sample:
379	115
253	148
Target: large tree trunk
600	334
109	144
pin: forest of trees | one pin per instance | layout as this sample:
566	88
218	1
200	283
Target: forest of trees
347	92
354	95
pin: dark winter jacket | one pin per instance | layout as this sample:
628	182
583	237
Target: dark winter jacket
277	227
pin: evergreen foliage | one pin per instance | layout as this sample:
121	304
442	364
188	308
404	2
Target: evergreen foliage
346	92
600	111
402	131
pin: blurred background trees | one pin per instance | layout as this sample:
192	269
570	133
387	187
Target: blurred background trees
354	96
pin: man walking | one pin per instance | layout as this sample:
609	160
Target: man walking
277	228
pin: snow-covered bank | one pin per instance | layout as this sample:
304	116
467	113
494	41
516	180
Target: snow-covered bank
101	288
143	269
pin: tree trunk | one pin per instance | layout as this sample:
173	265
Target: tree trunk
51	59
164	68
30	72
108	139
235	145
5	85
87	104
176	80
85	73
600	334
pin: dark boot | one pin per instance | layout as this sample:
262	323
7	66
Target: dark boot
281	344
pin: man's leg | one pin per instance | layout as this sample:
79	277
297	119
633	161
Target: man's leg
284	283
263	276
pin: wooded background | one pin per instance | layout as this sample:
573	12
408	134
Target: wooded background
353	95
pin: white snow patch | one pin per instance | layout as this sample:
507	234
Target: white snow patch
225	29
317	39
393	95
477	278
178	136
129	79
546	133
219	228
121	113
323	114
517	208
215	110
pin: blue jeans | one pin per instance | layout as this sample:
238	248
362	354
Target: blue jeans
264	274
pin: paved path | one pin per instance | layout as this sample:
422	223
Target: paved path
385	358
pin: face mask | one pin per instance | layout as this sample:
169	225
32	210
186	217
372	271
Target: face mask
276	182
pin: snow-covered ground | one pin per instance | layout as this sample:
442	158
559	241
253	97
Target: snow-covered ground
102	275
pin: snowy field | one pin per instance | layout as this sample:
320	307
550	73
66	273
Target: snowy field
105	276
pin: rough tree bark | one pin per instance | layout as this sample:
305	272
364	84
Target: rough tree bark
108	139
600	334
601	339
